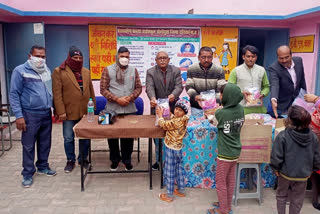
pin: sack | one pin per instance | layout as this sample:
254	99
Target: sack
299	101
209	102
254	98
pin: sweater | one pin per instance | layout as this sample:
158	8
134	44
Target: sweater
295	155
230	120
200	79
176	129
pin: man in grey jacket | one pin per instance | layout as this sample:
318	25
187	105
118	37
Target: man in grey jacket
163	81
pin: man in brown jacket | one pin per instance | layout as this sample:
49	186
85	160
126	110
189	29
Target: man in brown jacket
72	88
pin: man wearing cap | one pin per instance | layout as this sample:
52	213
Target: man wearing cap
120	84
72	88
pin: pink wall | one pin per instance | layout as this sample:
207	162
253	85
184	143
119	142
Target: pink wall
230	7
308	27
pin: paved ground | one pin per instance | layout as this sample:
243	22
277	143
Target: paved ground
105	193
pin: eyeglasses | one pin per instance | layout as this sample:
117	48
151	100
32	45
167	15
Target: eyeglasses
162	58
206	57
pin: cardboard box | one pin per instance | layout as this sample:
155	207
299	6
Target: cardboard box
256	143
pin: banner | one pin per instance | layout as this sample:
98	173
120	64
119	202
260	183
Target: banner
302	44
102	48
181	44
224	44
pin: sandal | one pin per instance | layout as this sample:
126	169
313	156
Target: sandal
164	197
176	192
216	204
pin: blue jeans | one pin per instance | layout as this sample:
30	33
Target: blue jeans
38	130
68	136
156	147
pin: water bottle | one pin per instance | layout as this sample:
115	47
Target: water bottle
90	110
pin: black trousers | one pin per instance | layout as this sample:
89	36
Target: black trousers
126	145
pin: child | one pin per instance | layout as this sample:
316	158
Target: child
295	155
224	53
315	127
230	119
176	129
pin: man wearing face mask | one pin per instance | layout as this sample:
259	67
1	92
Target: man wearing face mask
31	101
120	84
72	89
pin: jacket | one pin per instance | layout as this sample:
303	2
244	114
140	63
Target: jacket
67	95
230	120
295	154
28	92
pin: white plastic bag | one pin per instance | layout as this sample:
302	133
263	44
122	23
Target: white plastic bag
164	104
299	101
209	102
254	98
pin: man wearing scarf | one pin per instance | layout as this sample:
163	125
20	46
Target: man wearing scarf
121	85
31	101
72	88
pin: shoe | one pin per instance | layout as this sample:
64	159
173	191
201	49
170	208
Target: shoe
69	166
128	167
47	172
27	181
176	192
85	164
114	166
155	166
165	197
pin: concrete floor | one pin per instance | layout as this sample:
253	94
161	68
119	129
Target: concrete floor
105	193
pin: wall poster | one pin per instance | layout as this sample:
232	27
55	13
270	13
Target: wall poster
181	44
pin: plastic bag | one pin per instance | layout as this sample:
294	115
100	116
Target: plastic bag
254	98
164	104
299	101
209	102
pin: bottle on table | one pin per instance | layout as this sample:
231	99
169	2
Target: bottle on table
90	111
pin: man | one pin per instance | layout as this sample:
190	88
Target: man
120	84
286	79
249	74
72	88
31	101
203	76
163	81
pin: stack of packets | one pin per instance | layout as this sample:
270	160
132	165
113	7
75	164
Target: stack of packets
254	98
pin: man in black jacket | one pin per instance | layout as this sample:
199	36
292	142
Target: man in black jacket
286	77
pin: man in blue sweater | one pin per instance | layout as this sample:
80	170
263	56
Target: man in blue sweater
31	101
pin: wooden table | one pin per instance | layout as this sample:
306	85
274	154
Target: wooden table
129	126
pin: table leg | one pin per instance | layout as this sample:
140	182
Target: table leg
150	161
81	167
161	166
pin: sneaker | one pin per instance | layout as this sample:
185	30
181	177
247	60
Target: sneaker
128	167
27	181
47	172
155	166
114	166
85	164
69	166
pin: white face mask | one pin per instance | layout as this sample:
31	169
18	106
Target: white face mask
187	49
37	62
124	61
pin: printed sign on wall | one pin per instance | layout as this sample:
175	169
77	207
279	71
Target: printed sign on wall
302	44
102	47
224	44
181	44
